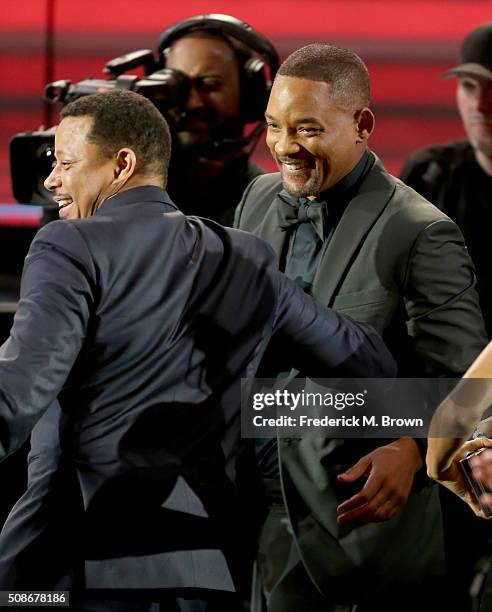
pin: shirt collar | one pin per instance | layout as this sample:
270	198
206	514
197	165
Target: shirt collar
137	195
346	183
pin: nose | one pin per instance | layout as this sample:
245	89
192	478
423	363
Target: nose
285	144
53	181
194	100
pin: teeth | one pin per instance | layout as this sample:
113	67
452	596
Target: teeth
63	203
295	166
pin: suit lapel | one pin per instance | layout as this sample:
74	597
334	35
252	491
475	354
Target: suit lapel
269	228
356	222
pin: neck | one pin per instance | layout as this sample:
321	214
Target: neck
144	180
133	181
484	161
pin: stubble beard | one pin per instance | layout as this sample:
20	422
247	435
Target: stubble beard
480	138
484	146
312	187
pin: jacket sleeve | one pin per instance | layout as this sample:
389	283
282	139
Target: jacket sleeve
444	318
327	343
48	330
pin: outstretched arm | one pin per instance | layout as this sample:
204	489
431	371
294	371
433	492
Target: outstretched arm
326	343
48	331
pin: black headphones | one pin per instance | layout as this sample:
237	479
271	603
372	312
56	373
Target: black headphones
255	82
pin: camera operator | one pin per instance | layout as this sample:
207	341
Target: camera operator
229	88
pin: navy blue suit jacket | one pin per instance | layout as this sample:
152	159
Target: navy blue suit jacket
142	321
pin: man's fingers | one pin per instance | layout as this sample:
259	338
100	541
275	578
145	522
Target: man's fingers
364	496
482	472
355	501
482	468
370	507
358	515
387	511
486	499
370	513
357	470
475	444
369	498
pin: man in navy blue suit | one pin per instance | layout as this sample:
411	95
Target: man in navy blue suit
142	321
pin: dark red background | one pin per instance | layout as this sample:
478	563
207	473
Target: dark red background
406	46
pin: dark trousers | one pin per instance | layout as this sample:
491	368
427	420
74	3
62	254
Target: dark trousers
287	587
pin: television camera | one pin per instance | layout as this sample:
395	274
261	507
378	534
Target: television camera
31	153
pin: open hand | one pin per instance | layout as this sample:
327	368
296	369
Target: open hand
389	470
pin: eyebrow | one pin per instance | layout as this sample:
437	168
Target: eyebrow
300	120
205	74
307	120
61	153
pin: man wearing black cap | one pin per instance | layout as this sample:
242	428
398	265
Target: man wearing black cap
457	176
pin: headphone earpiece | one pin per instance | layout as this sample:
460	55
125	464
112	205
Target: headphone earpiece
254	91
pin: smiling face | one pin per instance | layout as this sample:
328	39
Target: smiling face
313	139
474	99
82	177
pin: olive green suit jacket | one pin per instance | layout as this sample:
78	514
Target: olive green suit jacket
398	263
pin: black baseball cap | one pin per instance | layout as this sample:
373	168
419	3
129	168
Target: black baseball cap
476	54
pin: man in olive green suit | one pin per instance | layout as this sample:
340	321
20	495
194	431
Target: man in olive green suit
366	526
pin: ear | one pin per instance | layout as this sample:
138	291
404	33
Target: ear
126	165
365	124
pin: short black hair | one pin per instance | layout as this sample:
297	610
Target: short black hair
341	68
126	119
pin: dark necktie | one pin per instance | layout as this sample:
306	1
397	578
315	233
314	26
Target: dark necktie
291	213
